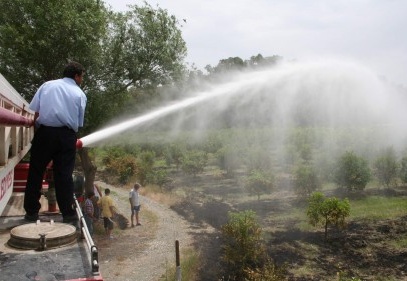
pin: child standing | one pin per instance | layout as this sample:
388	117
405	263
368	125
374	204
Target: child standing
135	204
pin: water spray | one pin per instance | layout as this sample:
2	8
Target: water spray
223	90
334	91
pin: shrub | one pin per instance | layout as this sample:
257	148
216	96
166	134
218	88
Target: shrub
327	211
158	177
268	272
259	182
121	169
306	180
146	164
229	159
243	249
194	162
173	154
352	172
386	167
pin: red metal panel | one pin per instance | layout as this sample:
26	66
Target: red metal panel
95	278
20	177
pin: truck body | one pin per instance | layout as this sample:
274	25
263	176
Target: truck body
47	249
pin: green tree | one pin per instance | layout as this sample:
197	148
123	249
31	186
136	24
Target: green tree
119	166
158	177
306	180
194	162
236	63
352	172
146	166
173	154
327	211
228	158
231	63
386	167
260	61
243	248
38	37
259	182
142	50
403	169
124	54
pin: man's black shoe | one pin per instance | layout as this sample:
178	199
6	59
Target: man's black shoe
33	217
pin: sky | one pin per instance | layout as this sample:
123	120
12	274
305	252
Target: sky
370	32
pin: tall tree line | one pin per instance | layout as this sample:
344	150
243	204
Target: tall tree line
124	54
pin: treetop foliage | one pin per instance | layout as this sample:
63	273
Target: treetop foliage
144	48
137	50
37	38
237	63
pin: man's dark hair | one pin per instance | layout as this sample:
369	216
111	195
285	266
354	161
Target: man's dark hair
73	68
107	191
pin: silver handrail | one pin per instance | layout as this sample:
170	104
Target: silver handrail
94	257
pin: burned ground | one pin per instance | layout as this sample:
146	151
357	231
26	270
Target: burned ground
368	249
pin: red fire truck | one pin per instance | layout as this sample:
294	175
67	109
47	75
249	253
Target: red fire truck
47	249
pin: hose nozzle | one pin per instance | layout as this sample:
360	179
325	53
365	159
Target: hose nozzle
79	144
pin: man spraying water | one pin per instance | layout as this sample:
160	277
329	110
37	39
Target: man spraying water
59	107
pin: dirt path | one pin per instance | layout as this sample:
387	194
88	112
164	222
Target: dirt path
142	253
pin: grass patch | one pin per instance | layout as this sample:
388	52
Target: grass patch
190	263
296	217
149	216
157	194
399	243
307	271
378	208
293	214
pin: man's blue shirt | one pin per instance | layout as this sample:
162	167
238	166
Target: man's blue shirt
60	103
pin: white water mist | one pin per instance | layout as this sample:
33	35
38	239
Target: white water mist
328	94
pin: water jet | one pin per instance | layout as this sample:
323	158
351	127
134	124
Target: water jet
311	94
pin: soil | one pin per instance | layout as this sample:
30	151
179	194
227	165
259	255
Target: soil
369	250
142	253
364	251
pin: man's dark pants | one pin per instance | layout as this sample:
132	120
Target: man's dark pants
59	145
